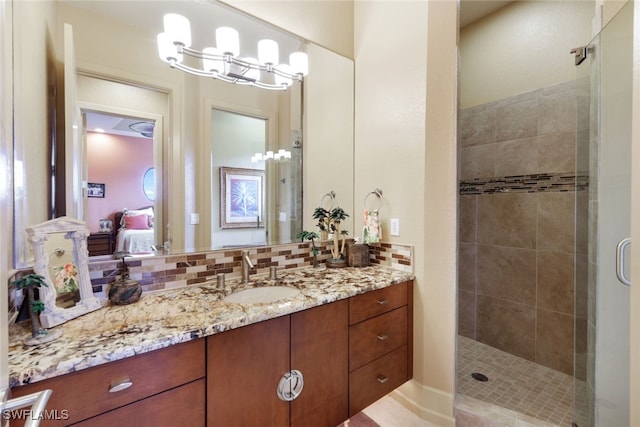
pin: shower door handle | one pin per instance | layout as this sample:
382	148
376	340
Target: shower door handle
620	250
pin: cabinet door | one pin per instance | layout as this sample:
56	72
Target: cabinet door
244	367
319	349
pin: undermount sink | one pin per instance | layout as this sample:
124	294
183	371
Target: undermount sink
262	294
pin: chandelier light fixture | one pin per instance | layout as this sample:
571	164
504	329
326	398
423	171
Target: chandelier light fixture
280	155
223	61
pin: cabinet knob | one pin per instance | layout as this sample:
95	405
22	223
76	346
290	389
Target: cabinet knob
290	385
382	301
122	385
383	337
382	379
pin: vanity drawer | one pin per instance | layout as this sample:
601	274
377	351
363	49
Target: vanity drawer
184	405
85	393
376	379
377	336
362	307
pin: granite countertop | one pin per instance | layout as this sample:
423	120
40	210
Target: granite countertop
170	317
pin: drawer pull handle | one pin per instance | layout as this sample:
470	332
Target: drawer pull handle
382	301
122	385
382	379
383	337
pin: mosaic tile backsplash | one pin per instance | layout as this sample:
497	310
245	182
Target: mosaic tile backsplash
173	271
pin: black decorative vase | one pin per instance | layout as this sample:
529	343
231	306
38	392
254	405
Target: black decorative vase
125	292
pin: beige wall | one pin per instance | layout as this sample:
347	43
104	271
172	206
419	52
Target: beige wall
521	47
308	19
406	146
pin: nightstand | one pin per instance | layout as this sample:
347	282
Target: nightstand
101	243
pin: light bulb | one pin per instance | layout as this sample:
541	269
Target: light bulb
268	155
212	65
299	62
228	41
178	28
167	50
268	52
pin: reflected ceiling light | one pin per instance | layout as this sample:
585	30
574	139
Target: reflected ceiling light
143	128
280	155
223	61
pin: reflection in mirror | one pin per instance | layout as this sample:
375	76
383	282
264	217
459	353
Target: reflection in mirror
238	212
60	248
111	80
149	184
120	153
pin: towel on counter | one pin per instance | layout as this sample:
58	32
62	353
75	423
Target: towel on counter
372	231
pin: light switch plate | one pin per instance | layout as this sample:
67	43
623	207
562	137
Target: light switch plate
195	218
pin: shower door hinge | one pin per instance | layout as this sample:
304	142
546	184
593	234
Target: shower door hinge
580	54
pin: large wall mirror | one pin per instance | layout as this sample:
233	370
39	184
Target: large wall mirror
152	116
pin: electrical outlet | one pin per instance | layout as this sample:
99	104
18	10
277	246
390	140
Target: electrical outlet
395	226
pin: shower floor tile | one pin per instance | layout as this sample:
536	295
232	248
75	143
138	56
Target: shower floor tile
514	383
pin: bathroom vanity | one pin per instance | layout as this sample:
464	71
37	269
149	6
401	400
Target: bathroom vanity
188	357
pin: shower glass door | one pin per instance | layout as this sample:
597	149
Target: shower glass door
601	393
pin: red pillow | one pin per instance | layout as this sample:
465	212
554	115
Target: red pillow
136	222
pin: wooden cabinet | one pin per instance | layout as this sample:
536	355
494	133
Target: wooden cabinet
319	346
101	244
245	366
380	343
350	353
172	376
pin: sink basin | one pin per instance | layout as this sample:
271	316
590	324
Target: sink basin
262	294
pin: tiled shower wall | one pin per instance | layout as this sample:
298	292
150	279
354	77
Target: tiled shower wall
516	224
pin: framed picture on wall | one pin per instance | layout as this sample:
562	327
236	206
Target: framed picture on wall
241	197
95	189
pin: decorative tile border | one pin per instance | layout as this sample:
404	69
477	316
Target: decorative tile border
537	183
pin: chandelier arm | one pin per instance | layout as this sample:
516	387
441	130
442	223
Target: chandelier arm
194	53
202	73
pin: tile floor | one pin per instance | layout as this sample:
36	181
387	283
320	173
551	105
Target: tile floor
519	392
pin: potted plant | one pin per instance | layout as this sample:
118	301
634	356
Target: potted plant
337	258
39	335
311	235
321	215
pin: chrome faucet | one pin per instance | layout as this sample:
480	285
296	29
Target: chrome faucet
246	266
